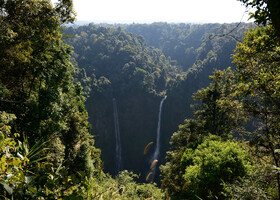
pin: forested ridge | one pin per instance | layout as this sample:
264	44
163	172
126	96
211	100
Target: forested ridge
82	107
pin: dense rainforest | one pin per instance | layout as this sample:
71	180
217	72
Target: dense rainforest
191	109
138	70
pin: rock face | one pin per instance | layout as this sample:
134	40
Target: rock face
137	113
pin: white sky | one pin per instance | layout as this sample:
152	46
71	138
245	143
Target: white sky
147	11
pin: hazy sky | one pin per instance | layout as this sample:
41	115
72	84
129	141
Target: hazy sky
114	11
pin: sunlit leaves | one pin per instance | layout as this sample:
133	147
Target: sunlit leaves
212	163
11	163
265	11
258	73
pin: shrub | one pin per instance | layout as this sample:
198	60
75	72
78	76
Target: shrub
211	164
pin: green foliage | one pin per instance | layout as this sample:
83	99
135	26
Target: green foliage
11	164
122	187
55	157
259	183
228	101
246	188
265	12
124	59
210	164
35	67
25	174
220	112
131	190
116	64
37	84
187	43
172	172
257	59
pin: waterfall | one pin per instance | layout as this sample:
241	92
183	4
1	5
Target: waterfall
118	139
156	153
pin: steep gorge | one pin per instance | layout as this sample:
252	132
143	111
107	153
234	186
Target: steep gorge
121	65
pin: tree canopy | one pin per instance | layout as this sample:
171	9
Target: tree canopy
266	12
227	148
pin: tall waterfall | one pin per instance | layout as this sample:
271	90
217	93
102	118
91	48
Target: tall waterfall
156	153
118	139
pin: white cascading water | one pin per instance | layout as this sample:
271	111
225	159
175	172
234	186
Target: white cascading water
118	139
156	153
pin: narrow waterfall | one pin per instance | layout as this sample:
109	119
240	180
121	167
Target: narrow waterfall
156	153
118	139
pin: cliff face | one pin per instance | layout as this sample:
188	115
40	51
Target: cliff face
137	114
